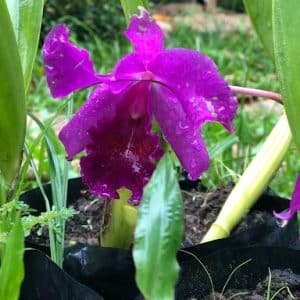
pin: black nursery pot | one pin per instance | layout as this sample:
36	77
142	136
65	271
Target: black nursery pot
44	280
110	272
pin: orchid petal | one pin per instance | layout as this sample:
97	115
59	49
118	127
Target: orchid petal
294	204
180	132
194	79
130	67
114	129
99	109
68	68
145	35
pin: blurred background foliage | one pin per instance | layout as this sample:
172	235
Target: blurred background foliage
104	18
234	5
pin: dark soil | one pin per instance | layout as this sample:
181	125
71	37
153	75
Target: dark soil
83	227
284	283
201	209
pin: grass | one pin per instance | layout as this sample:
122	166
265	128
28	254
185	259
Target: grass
241	61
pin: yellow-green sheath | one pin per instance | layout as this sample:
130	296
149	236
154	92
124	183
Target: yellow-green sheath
119	221
253	182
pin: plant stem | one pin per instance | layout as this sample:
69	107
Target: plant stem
47	204
256	93
118	222
64	196
253	182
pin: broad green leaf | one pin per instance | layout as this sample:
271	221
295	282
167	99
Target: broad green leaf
26	16
12	268
130	7
158	234
260	12
12	99
286	25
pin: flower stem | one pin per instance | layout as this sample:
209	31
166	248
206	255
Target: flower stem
256	93
118	222
253	182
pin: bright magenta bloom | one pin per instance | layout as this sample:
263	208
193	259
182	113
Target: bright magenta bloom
294	204
180	88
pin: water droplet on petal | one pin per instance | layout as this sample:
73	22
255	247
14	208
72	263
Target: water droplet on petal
196	144
181	127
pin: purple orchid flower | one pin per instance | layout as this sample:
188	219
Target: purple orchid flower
180	88
294	204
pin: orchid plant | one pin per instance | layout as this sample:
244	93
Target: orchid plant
180	89
153	97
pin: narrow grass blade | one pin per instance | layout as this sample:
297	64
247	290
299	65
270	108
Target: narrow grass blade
54	148
12	268
260	12
12	99
158	234
59	181
223	145
286	24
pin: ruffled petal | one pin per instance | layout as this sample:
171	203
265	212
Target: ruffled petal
68	68
145	35
294	204
194	79
179	130
121	150
100	108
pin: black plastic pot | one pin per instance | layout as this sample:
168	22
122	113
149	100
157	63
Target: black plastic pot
111	272
44	280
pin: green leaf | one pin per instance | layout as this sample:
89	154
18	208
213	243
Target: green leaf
26	16
286	24
12	99
130	7
54	151
12	268
158	233
59	184
260	12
